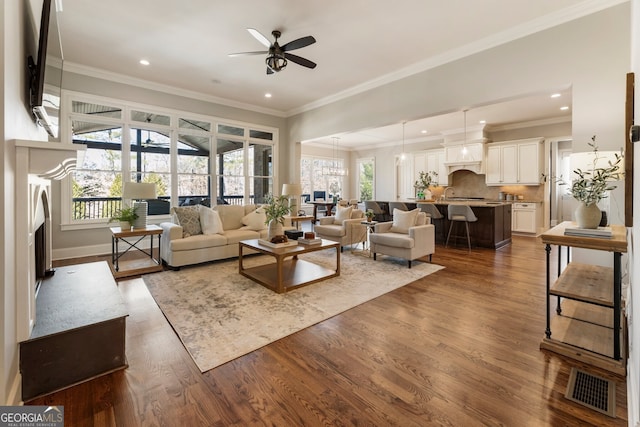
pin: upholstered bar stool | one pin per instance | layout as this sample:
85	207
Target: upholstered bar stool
436	217
397	205
460	213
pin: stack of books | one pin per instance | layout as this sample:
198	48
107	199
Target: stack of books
600	232
315	241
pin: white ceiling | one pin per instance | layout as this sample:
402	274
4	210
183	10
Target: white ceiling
360	43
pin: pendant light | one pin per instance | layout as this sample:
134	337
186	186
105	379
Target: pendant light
464	146
334	169
403	155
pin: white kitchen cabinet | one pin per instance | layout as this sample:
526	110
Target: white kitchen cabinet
436	162
525	217
514	162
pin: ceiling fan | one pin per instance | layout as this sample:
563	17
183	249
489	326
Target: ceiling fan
277	55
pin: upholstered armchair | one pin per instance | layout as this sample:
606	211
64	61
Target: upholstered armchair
344	227
410	236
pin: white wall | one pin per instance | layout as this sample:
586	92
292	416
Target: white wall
15	123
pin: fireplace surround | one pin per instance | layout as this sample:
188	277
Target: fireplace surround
37	164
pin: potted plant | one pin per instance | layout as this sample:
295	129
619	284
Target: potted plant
591	186
369	214
126	216
275	209
425	180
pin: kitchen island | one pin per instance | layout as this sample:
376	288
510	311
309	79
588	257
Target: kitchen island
492	230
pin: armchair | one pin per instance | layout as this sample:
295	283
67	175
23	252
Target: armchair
404	237
345	227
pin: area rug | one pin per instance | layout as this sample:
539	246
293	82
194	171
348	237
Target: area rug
220	315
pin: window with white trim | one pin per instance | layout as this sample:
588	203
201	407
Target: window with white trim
172	149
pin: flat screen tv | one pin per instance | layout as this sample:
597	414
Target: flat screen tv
45	71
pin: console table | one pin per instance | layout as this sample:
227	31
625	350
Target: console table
587	325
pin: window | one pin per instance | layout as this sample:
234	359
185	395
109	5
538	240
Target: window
312	177
170	149
365	179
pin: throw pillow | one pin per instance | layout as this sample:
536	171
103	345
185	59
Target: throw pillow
402	220
210	221
342	214
189	219
256	220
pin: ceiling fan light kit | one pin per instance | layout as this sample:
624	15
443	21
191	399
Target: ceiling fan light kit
278	56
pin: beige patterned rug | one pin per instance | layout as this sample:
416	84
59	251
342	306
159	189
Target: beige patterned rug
220	315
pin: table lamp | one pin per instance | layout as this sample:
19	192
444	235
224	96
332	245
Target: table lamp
294	190
139	191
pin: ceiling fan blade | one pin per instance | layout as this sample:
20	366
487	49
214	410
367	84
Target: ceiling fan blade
258	36
261	52
298	43
300	60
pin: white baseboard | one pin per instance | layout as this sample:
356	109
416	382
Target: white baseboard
15	393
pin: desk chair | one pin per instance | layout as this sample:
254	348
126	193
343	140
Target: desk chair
460	213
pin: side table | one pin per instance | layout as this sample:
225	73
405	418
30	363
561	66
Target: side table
371	225
136	266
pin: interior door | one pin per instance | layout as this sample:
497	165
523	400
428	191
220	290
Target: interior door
565	200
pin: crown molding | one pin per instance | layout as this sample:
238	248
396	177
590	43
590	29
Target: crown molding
540	24
146	84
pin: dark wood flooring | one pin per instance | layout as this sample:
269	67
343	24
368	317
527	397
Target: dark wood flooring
457	348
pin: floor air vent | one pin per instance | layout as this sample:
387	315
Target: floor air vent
591	391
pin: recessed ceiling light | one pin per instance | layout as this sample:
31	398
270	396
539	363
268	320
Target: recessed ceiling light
556	95
267	95
423	131
564	108
483	121
144	62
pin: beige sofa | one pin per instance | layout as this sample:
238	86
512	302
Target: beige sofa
239	222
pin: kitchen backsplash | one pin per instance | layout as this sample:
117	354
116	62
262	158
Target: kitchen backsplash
468	184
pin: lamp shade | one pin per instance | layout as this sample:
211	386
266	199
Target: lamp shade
291	189
139	190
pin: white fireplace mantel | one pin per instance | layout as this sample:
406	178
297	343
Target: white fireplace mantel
51	160
37	163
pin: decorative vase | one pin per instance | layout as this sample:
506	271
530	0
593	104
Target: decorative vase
588	216
275	229
427	195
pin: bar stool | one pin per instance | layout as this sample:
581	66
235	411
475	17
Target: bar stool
432	212
460	213
397	205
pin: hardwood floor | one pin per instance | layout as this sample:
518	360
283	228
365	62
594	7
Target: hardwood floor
459	348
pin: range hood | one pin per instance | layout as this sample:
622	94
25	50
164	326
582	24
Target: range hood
465	151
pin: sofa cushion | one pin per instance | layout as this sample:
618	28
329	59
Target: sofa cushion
189	219
210	221
395	240
234	236
198	242
256	220
342	214
357	213
231	216
402	220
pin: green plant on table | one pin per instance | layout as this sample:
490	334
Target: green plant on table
276	208
126	214
591	186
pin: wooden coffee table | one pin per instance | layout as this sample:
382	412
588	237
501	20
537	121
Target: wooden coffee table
288	272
